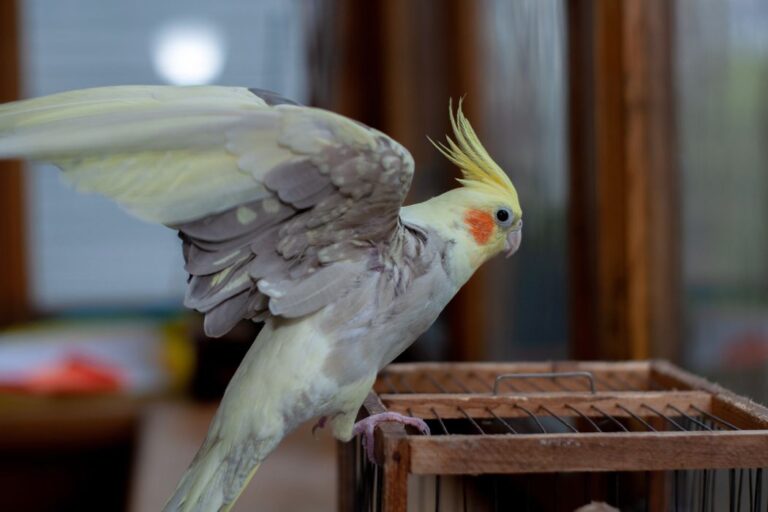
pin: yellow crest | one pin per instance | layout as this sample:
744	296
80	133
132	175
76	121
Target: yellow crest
477	167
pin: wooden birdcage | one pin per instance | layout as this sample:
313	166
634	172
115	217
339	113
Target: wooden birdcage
558	436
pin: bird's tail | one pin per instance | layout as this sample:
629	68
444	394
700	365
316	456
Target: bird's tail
265	400
219	473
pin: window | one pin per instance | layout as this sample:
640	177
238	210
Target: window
524	87
722	106
83	250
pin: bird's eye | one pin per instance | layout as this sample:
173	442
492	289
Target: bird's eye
504	217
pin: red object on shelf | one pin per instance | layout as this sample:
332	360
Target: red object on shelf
73	375
748	349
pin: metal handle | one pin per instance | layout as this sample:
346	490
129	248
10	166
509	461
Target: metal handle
545	375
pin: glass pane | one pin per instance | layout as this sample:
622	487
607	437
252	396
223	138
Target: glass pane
722	75
84	250
524	85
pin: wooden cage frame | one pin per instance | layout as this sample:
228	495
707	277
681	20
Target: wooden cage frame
637	391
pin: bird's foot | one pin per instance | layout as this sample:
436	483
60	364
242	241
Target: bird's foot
320	424
368	425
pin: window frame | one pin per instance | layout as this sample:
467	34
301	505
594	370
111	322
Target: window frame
624	217
14	298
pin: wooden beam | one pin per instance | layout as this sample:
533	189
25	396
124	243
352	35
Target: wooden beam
523	367
345	462
14	300
625	206
620	451
581	206
653	169
397	453
563	404
467	313
740	412
481	377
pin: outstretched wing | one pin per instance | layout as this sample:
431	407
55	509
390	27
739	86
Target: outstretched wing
278	205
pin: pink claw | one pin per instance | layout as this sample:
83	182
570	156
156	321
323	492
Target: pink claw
320	424
368	425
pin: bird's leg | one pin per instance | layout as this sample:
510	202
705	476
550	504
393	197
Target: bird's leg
320	424
368	425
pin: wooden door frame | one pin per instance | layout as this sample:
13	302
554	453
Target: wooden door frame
624	212
14	299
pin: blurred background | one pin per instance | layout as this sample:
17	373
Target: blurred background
635	133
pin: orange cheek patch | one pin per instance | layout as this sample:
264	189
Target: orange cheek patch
480	224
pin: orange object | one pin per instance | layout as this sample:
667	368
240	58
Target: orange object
73	375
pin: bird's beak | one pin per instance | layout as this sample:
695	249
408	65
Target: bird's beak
513	241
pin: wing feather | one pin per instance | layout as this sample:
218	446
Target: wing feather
279	206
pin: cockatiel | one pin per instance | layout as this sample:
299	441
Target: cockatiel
289	215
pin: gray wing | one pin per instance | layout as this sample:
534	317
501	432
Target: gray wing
274	201
291	253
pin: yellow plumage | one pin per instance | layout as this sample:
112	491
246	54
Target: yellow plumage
266	197
478	169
